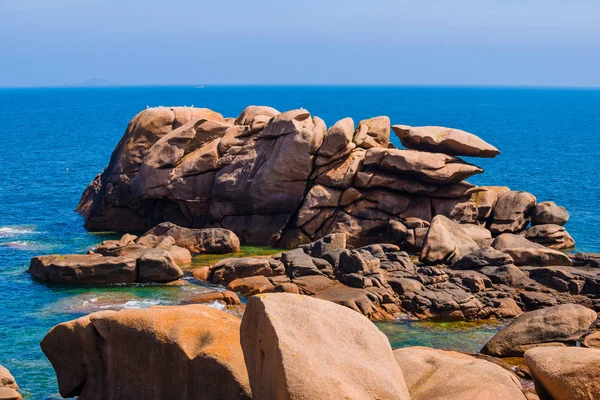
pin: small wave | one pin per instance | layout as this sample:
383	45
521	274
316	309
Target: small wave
143	303
26	245
218	305
16	230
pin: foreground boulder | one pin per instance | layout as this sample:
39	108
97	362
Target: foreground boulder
182	352
552	326
8	386
565	373
447	375
149	265
297	347
444	140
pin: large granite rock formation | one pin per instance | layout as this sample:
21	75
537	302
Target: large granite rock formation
285	179
179	352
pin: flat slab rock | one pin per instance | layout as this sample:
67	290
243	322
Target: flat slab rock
150	265
440	139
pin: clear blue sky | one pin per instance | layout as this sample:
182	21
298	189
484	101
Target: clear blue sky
457	42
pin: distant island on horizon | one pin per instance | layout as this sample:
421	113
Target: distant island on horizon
92	82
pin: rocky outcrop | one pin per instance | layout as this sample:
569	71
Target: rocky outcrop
448	375
444	140
552	326
380	281
148	265
8	386
565	373
284	179
294	349
180	352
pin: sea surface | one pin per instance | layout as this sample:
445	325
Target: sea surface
54	141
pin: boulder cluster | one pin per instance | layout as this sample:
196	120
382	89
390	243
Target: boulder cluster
153	257
290	346
450	281
285	179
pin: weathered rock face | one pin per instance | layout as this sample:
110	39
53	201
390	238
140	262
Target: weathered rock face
444	140
8	386
525	252
285	179
565	373
180	352
448	375
446	242
552	326
295	348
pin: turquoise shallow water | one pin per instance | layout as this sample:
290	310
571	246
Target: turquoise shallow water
56	140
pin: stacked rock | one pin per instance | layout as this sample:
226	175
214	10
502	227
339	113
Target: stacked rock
285	179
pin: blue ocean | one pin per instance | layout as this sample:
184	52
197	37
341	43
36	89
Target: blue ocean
57	140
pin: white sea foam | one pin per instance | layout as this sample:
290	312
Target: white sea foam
16	230
218	305
143	303
26	245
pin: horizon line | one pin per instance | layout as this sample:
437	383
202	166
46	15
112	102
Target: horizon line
398	85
